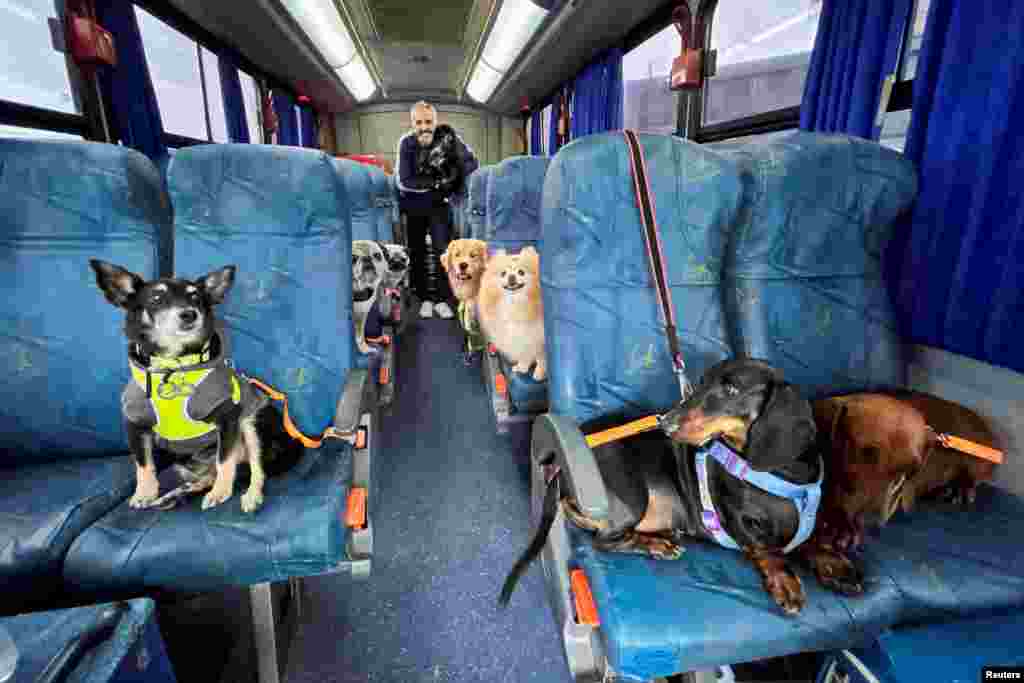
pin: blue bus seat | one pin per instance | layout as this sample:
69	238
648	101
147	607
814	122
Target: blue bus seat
362	197
365	186
476	202
383	203
64	458
133	652
279	214
512	221
742	238
923	652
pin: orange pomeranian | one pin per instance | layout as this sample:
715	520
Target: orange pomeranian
511	311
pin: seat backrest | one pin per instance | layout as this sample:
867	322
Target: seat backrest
62	345
383	202
803	287
607	350
281	215
476	203
362	197
514	193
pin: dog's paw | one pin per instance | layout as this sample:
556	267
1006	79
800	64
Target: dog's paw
252	500
521	368
786	589
663	548
142	500
837	573
540	372
146	491
215	497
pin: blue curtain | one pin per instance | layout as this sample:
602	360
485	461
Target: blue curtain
234	104
288	123
130	89
535	132
957	271
553	124
309	132
856	48
597	96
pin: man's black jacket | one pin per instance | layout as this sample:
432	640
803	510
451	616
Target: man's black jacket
423	187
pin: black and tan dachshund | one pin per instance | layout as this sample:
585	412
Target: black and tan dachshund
742	407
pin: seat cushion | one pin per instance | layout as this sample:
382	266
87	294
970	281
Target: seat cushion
804	288
299	531
133	652
62	346
43	508
514	192
383	204
361	195
476	202
607	349
280	215
709	607
528	396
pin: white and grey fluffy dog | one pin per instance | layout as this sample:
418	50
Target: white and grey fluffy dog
369	266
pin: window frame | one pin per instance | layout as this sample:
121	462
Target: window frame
88	123
900	98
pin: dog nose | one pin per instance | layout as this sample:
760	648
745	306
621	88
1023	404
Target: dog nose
512	280
463	266
188	316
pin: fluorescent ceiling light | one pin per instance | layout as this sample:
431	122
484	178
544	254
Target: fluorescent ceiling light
357	79
322	23
515	24
517	21
484	81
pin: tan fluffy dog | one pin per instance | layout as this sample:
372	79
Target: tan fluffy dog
465	261
511	311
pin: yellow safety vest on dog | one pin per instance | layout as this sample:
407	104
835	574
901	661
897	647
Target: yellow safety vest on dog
173	395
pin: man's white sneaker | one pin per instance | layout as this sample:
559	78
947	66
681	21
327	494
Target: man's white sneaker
427	310
444	310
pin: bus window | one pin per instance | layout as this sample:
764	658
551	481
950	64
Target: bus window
33	73
763	51
647	103
251	101
174	67
896	124
35	133
214	97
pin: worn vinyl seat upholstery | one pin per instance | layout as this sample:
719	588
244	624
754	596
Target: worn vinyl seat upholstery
292	294
63	452
773	250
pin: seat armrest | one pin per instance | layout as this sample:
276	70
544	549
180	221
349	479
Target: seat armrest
351	403
557	440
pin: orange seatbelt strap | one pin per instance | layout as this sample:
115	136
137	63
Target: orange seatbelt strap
358	438
970	448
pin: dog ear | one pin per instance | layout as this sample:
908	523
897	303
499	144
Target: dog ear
444	258
117	284
783	431
218	283
529	251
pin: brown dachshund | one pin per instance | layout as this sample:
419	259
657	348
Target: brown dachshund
885	455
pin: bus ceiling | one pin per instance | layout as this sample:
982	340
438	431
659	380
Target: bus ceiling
345	54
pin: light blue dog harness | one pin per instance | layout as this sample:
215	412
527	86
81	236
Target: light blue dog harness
805	496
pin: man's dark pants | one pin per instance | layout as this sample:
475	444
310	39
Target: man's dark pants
433	220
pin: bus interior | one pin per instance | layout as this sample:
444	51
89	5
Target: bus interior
823	186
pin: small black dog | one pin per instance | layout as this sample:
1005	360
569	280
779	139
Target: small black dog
744	472
442	161
184	397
